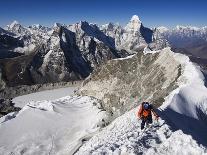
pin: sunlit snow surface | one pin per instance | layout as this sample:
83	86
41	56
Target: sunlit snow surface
21	101
124	137
50	127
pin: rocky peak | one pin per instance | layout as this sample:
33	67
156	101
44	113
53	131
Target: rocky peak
83	28
108	27
119	81
14	24
36	26
57	25
17	28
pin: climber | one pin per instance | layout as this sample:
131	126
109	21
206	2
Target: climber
145	114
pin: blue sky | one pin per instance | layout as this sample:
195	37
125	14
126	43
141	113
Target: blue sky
151	12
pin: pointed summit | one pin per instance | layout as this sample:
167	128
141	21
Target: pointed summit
55	25
134	24
14	23
16	28
135	18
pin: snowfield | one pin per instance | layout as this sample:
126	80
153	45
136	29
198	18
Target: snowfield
21	101
50	127
72	124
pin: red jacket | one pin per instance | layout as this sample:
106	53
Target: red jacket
145	113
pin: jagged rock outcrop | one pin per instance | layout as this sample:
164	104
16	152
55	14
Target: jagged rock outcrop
134	37
2	83
144	77
6	106
60	53
8	43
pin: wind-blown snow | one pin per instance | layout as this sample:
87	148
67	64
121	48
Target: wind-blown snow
50	127
191	92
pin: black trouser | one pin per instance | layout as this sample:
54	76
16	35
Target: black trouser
147	120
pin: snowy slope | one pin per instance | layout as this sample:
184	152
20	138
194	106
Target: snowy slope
124	137
186	107
50	127
181	128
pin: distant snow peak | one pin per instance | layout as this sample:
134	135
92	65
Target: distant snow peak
135	18
36	26
109	27
57	25
134	24
180	27
162	29
14	23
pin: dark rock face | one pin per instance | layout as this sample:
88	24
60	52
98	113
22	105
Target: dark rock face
125	83
147	34
61	53
6	106
73	55
15	71
93	30
133	38
8	44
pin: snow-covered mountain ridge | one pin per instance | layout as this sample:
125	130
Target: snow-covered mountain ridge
184	108
142	76
122	66
59	130
79	48
188	35
60	53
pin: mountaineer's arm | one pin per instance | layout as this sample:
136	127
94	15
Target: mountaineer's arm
139	114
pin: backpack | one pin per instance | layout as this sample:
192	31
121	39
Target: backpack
146	109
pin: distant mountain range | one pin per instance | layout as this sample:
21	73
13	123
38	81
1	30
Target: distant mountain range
39	54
